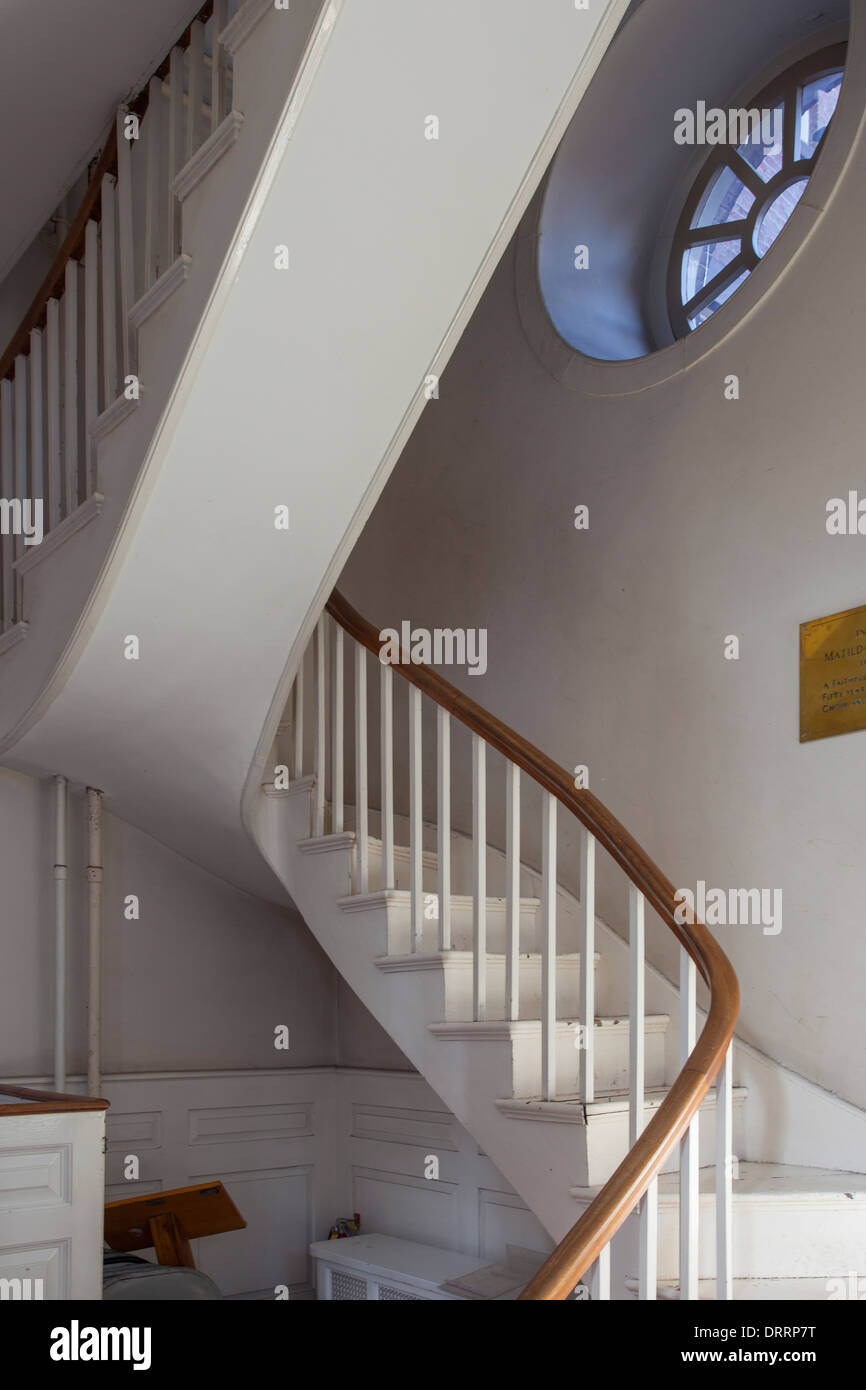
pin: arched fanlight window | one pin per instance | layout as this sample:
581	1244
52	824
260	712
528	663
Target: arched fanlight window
745	193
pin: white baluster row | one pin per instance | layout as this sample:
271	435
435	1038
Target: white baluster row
75	363
599	1279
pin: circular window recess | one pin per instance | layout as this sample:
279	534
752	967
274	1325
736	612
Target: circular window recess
611	301
747	190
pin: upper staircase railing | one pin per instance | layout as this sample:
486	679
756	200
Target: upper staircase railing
73	353
703	1059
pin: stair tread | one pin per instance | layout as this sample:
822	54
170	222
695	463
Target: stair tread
783	1180
526	1025
402	896
429	959
571	1106
747	1289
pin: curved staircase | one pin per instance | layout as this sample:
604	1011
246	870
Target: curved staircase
475	964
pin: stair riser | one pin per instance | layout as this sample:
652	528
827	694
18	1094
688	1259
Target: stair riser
774	1239
457	991
462	929
611	1062
607	1143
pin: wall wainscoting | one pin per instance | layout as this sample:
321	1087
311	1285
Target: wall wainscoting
298	1148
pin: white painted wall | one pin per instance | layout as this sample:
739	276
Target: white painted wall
606	646
200	981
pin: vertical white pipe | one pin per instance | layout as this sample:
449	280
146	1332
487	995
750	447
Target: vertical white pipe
94	935
60	876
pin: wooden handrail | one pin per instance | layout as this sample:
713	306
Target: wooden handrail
36	1102
580	1248
90	207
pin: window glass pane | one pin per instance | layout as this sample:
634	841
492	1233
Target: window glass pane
771	222
701	264
727	199
818	101
763	149
709	309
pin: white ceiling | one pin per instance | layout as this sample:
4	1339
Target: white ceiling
64	66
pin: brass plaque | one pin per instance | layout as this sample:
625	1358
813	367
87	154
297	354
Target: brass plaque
833	675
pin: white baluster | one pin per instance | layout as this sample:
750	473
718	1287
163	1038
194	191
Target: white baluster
319	754
91	345
548	948
70	387
387	775
724	1180
109	289
587	964
7	488
648	1217
125	242
689	1154
298	722
512	891
52	405
153	135
362	793
37	418
337	736
479	888
600	1285
176	146
416	823
648	1243
218	64
195	86
443	803
636	1027
21	442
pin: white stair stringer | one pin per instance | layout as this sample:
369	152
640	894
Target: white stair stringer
478	1070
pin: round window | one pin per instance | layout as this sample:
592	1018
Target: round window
763	157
